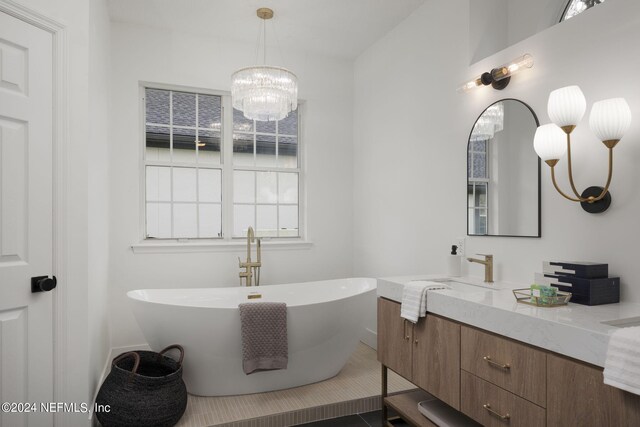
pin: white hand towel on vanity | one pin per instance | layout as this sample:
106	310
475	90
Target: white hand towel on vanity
414	298
622	365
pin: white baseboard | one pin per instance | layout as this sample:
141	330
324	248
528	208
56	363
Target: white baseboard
107	368
370	338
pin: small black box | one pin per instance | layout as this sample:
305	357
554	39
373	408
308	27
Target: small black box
585	270
584	291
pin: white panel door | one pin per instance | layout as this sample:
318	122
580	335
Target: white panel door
26	212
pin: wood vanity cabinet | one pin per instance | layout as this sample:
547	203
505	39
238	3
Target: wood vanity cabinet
495	380
427	353
503	381
513	366
577	396
394	338
436	358
493	406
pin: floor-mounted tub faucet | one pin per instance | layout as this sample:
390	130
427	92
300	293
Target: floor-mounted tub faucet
488	266
252	269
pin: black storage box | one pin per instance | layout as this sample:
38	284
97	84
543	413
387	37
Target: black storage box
585	270
584	291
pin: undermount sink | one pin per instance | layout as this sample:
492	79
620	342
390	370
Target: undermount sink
623	323
466	287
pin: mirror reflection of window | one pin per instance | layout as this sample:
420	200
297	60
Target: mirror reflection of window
503	187
478	184
576	7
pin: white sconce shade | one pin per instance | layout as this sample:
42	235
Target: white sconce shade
549	142
566	106
610	119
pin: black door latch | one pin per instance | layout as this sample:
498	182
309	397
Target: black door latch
43	283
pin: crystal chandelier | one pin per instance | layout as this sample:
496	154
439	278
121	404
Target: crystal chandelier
490	122
262	92
495	114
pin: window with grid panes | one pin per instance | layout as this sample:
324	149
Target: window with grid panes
186	174
266	176
478	186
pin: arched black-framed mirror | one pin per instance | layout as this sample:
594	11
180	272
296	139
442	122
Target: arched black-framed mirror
503	172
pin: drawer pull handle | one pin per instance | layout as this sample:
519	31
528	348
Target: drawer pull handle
497	414
490	361
406	336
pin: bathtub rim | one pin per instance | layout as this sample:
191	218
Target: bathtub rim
134	295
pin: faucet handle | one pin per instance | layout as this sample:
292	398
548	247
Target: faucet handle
485	255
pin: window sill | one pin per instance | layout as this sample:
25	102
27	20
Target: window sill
175	247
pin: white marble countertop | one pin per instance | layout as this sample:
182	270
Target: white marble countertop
574	330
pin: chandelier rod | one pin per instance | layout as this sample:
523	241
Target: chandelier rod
264	37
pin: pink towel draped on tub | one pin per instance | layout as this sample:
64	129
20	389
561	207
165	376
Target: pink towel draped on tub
264	336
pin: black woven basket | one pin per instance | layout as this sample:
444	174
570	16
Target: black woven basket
144	388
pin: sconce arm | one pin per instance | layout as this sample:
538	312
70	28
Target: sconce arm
580	198
610	175
555	184
570	169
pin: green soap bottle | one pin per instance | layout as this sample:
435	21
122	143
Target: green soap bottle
544	293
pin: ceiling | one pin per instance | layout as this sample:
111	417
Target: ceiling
343	28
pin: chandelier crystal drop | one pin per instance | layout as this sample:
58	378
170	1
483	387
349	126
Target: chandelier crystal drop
263	92
491	121
495	114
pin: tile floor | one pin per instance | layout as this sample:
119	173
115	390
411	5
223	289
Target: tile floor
369	419
356	389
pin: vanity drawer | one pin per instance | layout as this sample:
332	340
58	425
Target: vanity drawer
492	406
505	363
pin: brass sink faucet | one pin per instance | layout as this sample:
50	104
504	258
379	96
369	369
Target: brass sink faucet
252	269
488	266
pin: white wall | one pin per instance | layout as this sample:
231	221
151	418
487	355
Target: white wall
498	24
145	54
409	171
98	184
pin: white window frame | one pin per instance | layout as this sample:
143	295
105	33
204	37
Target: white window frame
169	245
480	181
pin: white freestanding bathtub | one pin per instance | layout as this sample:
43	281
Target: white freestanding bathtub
325	322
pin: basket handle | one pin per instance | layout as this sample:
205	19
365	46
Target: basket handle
171	347
136	363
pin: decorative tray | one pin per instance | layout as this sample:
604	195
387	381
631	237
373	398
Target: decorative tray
524	296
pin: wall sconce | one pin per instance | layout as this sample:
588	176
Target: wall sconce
609	120
499	77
